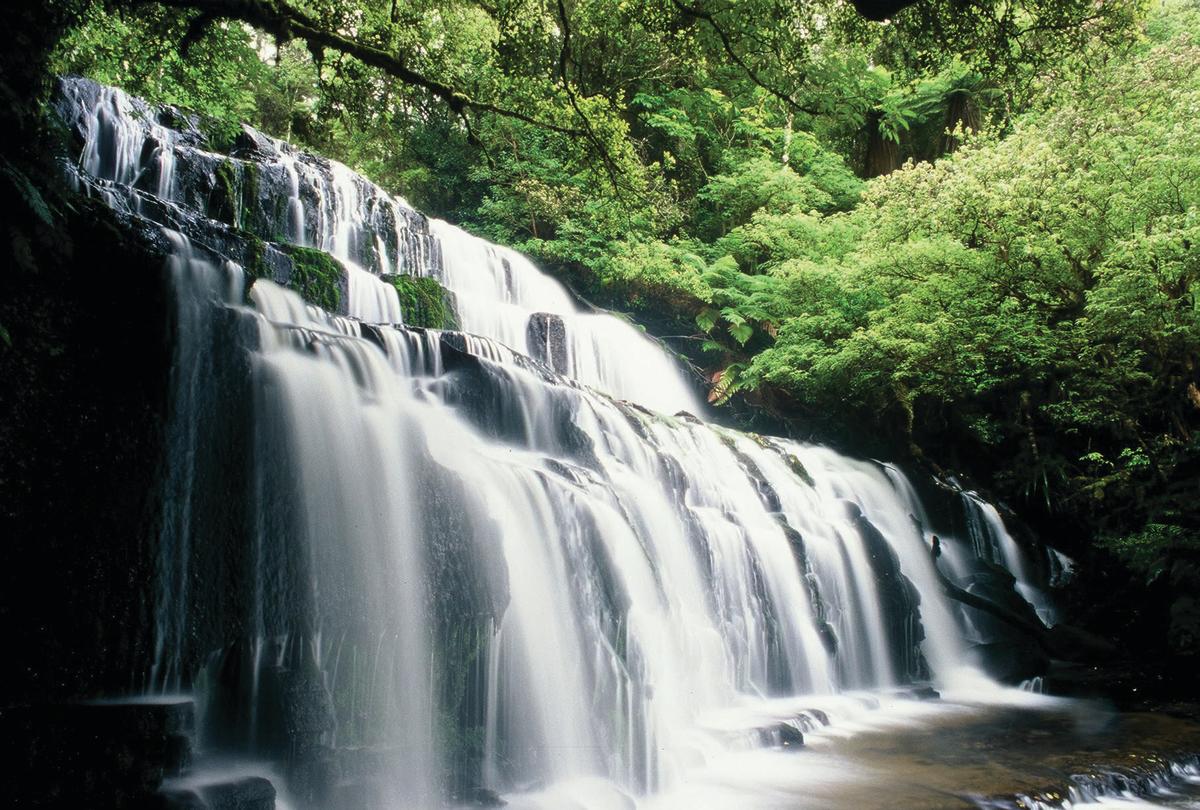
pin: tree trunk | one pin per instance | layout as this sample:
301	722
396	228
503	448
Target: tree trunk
961	111
883	154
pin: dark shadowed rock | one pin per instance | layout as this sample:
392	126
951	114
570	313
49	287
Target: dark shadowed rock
250	793
1183	632
1010	662
547	338
245	793
781	735
924	693
482	797
100	754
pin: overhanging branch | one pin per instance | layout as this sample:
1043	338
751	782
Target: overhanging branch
727	46
563	57
286	23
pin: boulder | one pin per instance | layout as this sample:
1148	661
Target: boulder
781	735
546	335
245	793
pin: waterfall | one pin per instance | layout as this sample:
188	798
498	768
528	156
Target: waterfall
410	563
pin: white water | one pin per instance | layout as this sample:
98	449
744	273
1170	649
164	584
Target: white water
654	596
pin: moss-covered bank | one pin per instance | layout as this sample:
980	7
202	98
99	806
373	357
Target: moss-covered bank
316	276
424	302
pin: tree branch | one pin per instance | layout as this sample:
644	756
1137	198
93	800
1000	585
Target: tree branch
1060	641
563	58
286	23
727	45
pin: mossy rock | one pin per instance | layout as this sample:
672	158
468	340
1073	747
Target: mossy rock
254	261
798	468
234	196
424	302
223	201
316	276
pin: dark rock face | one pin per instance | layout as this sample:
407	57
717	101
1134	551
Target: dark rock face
547	338
812	718
94	754
1006	652
84	395
1010	662
1183	633
900	600
482	797
496	401
1183	630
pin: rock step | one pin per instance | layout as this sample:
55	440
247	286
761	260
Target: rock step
781	735
242	793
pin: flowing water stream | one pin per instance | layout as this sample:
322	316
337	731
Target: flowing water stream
406	567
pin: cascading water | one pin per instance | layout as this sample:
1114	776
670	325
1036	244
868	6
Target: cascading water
480	562
993	542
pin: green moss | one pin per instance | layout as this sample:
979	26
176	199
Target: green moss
799	469
254	261
461	730
316	276
223	202
234	195
424	302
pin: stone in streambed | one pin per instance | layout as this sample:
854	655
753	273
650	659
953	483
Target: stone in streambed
782	735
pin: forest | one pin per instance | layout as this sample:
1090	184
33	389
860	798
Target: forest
964	236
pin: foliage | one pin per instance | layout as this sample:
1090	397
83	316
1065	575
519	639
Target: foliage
140	53
1030	301
968	234
1144	549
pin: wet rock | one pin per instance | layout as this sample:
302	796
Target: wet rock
247	793
252	144
250	793
171	799
1010	662
783	735
1075	644
899	598
1010	650
481	797
924	693
546	335
810	720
